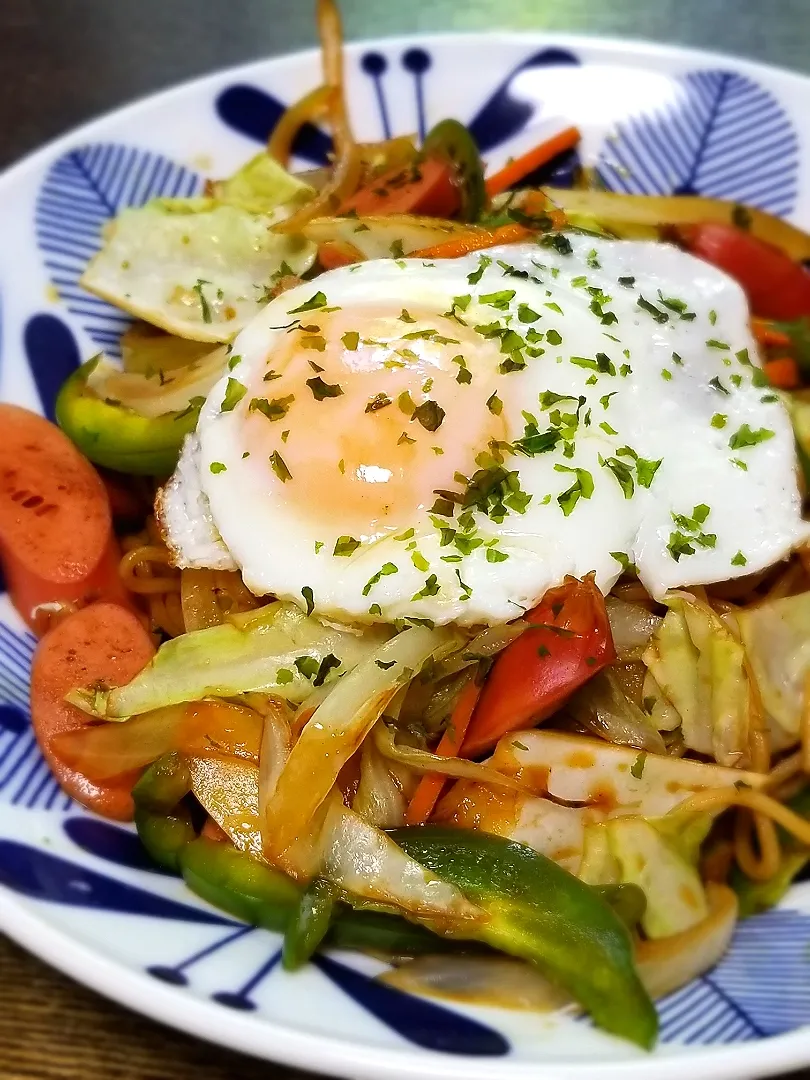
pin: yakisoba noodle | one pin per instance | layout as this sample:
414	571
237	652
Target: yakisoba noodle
146	570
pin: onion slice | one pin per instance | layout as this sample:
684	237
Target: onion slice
669	963
339	725
425	761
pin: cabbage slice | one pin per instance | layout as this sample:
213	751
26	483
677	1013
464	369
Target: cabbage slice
275	649
699	665
602	781
776	635
263	186
194	267
676	899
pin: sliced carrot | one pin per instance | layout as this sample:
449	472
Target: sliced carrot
767	334
474	240
783	372
430	786
335	253
513	172
427	188
56	539
103	645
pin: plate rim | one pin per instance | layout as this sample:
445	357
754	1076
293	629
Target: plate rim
264	1037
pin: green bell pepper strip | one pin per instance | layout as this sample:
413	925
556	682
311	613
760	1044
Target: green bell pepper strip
452	142
258	894
164	836
541	913
163	822
115	437
627	900
163	785
757	896
309	924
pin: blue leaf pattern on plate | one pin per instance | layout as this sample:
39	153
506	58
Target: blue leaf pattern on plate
723	136
42	876
111	842
506	113
25	779
82	190
419	1020
52	354
255	113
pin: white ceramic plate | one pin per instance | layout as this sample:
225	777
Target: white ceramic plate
78	891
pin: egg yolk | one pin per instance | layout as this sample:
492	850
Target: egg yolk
371	413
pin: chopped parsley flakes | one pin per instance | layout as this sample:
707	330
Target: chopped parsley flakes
745	436
321	389
429	414
582	488
234	392
273	409
345	546
279	467
385	571
314	302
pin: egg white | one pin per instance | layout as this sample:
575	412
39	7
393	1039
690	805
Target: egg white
677	383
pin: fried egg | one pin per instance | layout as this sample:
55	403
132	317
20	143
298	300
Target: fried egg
402	439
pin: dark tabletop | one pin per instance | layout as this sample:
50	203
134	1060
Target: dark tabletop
65	61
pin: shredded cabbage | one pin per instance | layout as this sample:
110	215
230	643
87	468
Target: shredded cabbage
276	649
776	635
262	186
699	664
676	899
157	393
198	270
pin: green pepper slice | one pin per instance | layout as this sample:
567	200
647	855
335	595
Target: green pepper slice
115	437
452	142
163	822
258	894
163	785
309	924
543	914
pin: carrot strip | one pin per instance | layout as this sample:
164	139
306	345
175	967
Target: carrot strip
335	253
475	240
782	372
766	334
515	170
430	786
